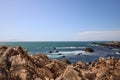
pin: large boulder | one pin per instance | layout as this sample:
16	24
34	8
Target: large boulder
89	50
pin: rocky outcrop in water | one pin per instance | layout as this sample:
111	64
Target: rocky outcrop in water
89	50
114	44
16	64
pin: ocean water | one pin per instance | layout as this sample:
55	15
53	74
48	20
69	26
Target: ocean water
73	51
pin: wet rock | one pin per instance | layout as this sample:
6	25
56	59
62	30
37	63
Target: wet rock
54	51
50	51
59	54
89	50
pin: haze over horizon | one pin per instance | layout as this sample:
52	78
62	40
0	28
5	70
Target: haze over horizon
60	20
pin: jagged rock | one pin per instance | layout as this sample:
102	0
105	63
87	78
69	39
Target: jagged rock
8	51
56	67
65	60
2	50
80	65
16	64
90	76
40	60
47	73
70	74
89	50
3	73
110	74
19	49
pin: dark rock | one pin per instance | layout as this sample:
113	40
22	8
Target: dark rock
112	44
54	47
50	51
59	54
57	51
79	54
89	50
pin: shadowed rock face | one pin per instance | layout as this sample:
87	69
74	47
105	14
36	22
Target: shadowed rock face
16	64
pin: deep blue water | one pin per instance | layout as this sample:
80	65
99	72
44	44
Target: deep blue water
68	49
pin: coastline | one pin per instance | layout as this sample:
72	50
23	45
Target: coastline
17	64
73	51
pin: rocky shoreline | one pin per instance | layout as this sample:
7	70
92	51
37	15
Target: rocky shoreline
17	64
112	44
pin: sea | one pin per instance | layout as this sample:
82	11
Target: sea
71	50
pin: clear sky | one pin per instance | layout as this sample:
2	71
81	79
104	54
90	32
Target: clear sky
59	20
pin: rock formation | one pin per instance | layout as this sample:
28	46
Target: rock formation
16	64
114	44
89	50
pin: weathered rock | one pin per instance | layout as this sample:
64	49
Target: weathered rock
70	74
3	47
16	64
2	50
90	76
56	67
8	51
110	74
65	60
3	73
47	73
80	65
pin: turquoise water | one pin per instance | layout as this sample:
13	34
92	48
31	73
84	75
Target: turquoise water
68	49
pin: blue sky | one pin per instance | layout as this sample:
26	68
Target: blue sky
59	20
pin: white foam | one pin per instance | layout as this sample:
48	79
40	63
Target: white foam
70	47
117	53
54	56
76	52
